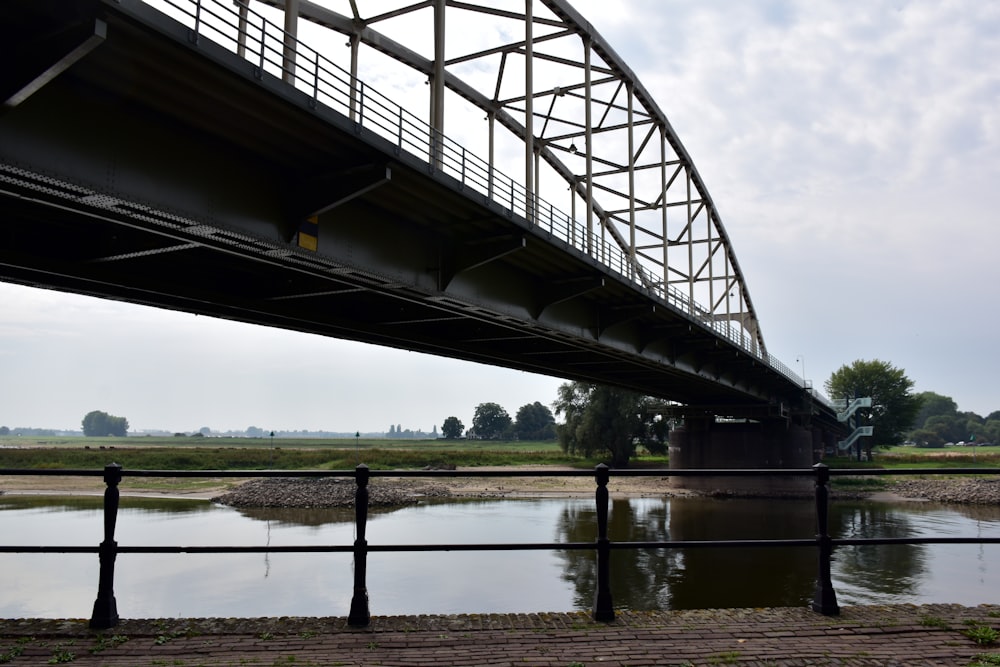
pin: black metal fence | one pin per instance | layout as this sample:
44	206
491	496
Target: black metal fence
105	612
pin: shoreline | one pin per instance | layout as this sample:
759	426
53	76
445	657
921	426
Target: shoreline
977	491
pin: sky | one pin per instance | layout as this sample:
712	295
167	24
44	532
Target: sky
853	152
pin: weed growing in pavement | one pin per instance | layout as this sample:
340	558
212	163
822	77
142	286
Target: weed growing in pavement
933	622
61	654
727	658
14	651
104	643
167	636
985	660
982	634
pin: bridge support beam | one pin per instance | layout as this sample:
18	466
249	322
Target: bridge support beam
703	443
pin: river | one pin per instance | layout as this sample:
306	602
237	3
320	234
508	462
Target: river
320	584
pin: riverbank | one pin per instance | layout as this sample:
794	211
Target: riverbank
333	492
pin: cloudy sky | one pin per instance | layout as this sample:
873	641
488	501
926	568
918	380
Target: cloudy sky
853	152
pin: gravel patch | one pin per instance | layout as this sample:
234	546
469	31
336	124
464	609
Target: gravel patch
966	491
326	492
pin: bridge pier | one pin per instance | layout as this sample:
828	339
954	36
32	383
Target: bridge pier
704	443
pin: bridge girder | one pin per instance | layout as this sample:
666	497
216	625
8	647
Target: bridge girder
630	169
165	169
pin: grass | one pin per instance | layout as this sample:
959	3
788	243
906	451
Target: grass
333	455
196	453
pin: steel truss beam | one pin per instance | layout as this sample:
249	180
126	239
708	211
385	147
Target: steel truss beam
647	197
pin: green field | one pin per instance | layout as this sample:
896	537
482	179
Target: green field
191	453
196	453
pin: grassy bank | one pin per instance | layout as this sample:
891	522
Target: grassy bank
285	454
142	442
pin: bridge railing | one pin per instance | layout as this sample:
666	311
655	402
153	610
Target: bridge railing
105	612
250	34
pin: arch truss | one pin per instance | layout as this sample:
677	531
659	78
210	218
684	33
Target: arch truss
588	138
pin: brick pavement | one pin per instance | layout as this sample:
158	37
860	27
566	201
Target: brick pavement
898	635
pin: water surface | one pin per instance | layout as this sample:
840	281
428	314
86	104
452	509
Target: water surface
285	584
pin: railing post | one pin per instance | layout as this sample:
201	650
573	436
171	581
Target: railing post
825	598
603	608
105	608
360	616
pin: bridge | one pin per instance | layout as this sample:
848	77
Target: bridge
211	157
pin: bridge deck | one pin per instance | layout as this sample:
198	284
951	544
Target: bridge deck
163	169
869	635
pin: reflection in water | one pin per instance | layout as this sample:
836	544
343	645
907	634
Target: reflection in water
308	516
96	503
639	578
746	576
320	584
646	579
872	573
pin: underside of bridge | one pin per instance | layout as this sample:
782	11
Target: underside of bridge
140	163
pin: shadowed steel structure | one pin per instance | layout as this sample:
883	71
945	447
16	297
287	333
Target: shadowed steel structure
525	203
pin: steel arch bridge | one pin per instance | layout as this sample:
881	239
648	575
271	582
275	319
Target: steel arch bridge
549	137
591	139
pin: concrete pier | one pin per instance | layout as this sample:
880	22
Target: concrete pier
750	444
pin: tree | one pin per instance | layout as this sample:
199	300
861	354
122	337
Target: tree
100	424
600	418
452	428
925	437
933	405
534	421
893	409
490	421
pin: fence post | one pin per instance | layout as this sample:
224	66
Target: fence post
360	616
603	608
825	598
105	608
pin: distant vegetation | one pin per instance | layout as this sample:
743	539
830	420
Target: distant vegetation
192	453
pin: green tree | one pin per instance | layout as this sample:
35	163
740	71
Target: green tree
933	405
99	424
925	437
490	421
991	431
893	409
534	421
950	428
452	428
600	419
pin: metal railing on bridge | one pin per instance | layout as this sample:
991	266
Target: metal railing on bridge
237	27
105	612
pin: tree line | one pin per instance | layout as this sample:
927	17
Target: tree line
897	415
600	420
491	421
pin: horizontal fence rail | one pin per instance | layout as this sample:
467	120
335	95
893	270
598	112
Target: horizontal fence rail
105	613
